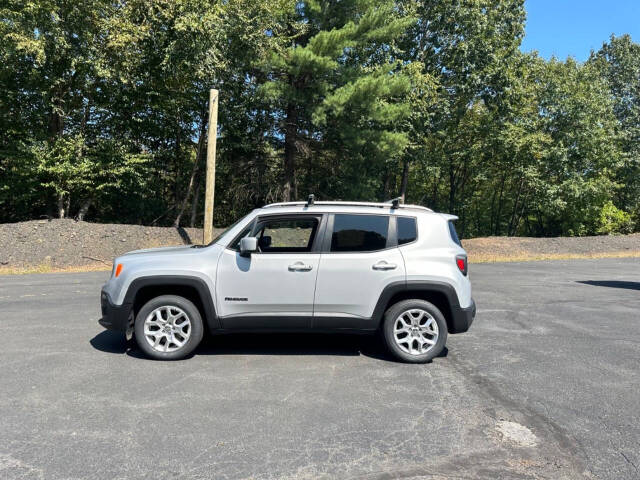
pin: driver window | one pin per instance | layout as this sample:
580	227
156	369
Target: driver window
283	236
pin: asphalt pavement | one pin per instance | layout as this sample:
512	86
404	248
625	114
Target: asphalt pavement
546	384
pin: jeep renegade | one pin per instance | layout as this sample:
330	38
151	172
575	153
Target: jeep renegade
301	266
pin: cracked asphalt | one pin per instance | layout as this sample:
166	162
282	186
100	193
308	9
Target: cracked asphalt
544	385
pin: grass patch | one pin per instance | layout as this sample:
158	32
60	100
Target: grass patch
537	257
48	268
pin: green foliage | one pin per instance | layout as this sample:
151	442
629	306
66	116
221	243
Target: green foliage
104	110
614	220
619	63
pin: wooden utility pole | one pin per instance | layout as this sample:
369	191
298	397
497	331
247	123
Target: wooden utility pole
211	166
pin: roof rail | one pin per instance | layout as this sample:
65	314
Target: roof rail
391	204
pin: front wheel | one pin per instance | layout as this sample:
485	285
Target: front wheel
168	327
415	331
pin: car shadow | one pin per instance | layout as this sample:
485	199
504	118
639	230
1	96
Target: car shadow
612	284
110	342
264	344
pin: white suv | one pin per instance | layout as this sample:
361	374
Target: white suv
301	266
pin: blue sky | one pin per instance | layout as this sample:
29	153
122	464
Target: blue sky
574	27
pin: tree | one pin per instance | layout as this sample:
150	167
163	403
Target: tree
338	88
56	45
104	112
465	48
619	60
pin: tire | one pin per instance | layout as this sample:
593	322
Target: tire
168	315
417	318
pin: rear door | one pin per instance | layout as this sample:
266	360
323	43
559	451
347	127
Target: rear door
360	259
273	288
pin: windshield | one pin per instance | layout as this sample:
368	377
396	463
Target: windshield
224	232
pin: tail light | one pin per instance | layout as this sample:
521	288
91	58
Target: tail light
461	262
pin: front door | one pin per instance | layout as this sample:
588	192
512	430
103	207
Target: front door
274	287
362	260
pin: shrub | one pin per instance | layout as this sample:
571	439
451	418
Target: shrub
614	221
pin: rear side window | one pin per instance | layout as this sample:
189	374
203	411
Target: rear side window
359	233
454	234
407	231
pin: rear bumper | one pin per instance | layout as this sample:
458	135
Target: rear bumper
462	318
114	317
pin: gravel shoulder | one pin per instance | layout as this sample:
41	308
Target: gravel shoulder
41	246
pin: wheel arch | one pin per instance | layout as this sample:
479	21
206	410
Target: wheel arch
195	289
441	294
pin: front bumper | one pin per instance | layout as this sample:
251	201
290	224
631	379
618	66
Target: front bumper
462	318
115	317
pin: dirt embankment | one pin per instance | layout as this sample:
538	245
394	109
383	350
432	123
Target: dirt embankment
511	249
53	245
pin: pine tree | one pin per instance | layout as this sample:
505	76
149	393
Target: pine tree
336	81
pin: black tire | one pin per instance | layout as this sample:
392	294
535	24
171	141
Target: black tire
394	312
191	312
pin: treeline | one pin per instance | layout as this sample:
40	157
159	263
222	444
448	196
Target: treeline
104	112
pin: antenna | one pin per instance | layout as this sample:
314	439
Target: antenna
310	200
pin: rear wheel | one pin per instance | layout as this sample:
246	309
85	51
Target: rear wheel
168	327
415	331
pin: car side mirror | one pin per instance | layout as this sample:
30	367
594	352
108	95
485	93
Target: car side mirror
248	245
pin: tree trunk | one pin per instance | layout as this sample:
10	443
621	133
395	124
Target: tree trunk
434	195
496	232
194	204
84	209
176	185
519	218
194	170
389	181
515	208
56	125
452	186
492	211
405	180
183	205
56	118
289	190
60	205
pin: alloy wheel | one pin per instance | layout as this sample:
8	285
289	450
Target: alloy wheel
167	328
415	331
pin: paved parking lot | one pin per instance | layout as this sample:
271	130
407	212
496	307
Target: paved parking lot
545	385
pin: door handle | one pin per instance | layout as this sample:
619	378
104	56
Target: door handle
382	265
299	267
